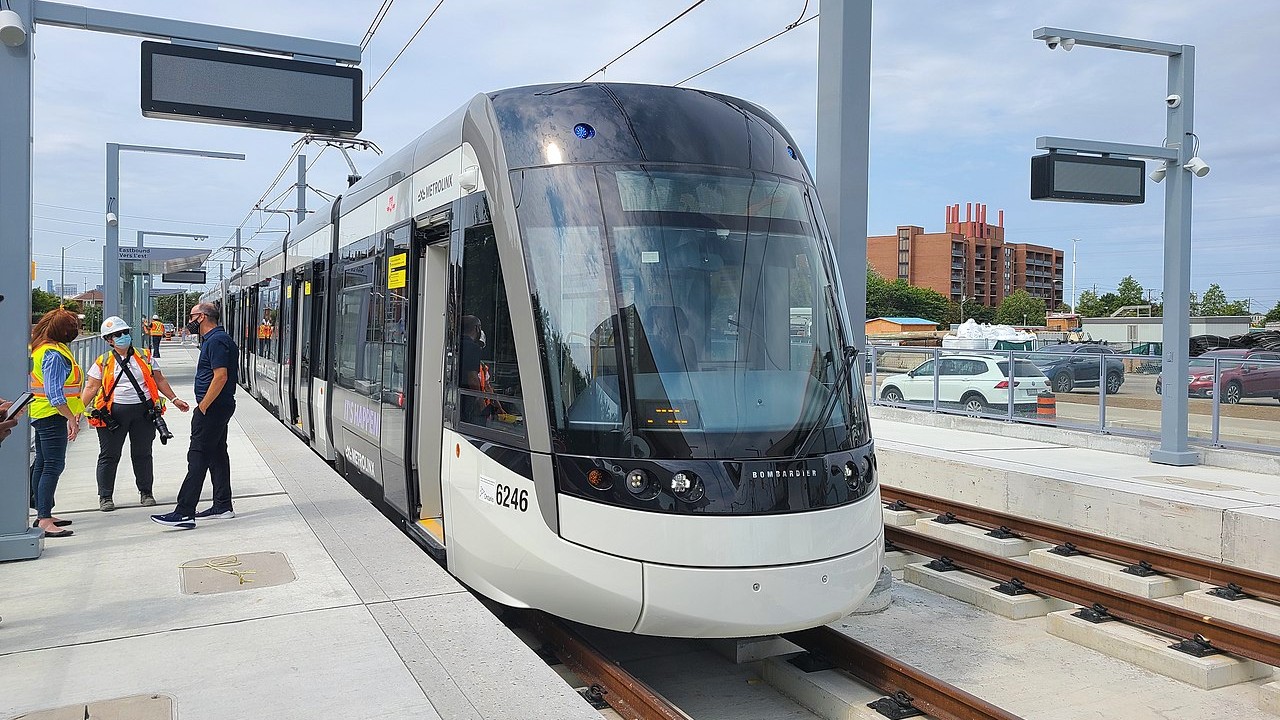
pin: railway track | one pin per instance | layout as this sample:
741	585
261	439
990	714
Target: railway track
1142	559
605	680
906	688
1102	603
908	691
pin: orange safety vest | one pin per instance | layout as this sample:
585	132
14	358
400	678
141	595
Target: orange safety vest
155	327
106	397
264	331
40	407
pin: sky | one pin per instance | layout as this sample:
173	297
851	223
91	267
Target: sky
959	94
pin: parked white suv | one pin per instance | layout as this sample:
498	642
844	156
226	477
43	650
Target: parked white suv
974	382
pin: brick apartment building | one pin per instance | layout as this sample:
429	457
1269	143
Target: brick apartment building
970	259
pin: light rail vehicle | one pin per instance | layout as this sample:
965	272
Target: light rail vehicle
588	343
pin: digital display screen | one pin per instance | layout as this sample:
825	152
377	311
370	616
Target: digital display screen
202	84
669	415
1088	178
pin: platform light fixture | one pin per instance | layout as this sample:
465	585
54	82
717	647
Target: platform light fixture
1158	174
12	32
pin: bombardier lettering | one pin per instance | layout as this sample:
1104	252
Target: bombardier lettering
361	417
757	474
438	186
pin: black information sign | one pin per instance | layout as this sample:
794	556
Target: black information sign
195	277
1088	178
183	82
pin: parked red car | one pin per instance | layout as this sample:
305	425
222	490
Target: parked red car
1245	374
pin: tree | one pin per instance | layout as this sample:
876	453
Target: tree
1090	305
1273	315
898	298
168	306
42	302
1021	308
1214	303
1129	292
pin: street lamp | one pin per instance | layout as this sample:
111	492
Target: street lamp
1073	273
62	275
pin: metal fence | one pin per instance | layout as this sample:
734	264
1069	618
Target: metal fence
1233	399
86	349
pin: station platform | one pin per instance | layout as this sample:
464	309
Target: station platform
1227	509
339	614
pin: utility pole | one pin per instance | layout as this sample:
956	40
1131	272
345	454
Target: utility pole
235	260
302	189
1073	274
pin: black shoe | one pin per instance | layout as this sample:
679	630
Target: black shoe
216	514
173	519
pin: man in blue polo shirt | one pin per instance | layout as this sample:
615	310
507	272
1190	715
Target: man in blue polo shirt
215	395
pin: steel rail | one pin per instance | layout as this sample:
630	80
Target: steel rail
623	692
1250	582
1230	637
926	693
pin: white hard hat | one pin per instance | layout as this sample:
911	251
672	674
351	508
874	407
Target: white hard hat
155	317
113	324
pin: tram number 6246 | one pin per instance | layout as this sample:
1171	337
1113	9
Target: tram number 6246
513	498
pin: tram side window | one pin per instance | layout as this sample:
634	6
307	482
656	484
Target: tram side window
359	325
396	320
269	299
489	376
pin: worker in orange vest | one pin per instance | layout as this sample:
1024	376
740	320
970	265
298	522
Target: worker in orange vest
126	386
155	330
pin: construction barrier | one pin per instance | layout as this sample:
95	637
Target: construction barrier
1046	406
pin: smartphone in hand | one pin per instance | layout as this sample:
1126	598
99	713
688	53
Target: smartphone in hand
18	405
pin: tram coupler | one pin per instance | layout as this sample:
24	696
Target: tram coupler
1096	614
1196	646
810	662
896	706
942	564
1003	533
1066	550
947	518
1141	569
1012	587
1231	592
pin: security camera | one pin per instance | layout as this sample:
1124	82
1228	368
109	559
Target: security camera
1173	101
112	220
1068	43
1197	167
1158	174
12	31
1053	41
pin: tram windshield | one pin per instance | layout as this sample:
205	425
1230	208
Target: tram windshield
685	312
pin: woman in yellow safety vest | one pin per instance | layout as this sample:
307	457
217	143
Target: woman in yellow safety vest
124	388
55	411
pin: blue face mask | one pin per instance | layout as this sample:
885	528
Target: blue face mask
124	341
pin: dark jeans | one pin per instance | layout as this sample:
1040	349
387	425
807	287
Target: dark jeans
208	454
141	433
51	458
155	345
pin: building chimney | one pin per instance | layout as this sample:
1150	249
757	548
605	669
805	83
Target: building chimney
1000	215
968	212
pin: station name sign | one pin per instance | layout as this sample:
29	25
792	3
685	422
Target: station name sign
185	82
1088	178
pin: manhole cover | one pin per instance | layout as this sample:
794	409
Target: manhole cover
135	707
243	571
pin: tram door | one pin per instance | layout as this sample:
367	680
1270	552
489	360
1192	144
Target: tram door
300	363
291	328
432	244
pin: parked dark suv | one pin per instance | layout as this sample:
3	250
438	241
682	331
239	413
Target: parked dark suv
1071	366
1243	375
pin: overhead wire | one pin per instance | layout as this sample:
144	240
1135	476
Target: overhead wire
739	54
406	47
376	23
646	39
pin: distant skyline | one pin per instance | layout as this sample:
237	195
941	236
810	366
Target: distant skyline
960	91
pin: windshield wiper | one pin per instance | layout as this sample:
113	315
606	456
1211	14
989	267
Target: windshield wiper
850	353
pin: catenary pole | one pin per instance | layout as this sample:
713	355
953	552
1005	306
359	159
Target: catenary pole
18	541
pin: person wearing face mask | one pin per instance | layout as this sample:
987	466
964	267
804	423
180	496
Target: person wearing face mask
55	411
216	375
125	384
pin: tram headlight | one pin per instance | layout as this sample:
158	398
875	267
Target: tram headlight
687	486
640	484
851	475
